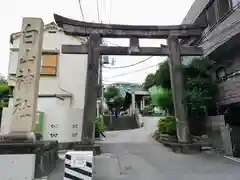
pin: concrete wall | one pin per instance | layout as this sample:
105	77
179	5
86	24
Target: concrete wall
60	123
71	70
219	133
122	123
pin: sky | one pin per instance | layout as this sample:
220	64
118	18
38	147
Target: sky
132	12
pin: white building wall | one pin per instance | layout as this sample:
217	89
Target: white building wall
71	71
62	116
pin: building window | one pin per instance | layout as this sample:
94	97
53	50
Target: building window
211	14
223	8
235	2
49	64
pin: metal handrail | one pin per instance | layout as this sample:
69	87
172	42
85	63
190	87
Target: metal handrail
229	76
233	9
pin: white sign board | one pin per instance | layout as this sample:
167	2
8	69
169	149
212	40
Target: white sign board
78	162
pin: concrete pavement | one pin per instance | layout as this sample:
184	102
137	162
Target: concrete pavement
133	155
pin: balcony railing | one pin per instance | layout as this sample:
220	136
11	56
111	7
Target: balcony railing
229	76
232	10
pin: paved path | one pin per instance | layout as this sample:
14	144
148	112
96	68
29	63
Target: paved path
133	155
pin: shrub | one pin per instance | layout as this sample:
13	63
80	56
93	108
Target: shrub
99	124
167	125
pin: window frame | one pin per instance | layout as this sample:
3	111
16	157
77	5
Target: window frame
44	66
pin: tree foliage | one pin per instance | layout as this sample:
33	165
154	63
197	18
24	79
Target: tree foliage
149	81
200	89
111	92
113	98
4	91
165	101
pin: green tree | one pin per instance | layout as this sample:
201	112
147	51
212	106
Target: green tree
111	92
4	92
113	98
164	100
162	75
149	81
3	80
200	89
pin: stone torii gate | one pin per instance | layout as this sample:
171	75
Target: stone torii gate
97	31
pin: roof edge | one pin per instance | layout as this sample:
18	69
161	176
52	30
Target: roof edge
48	26
195	10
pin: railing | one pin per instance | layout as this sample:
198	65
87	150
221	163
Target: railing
138	117
229	76
232	10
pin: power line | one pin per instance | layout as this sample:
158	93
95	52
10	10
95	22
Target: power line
119	67
123	74
110	11
98	13
81	9
112	43
103	9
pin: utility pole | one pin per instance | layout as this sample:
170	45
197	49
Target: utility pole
101	82
102	89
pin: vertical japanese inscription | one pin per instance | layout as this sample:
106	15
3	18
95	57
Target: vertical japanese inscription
27	76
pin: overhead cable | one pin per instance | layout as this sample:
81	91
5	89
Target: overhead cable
81	9
127	66
124	74
98	13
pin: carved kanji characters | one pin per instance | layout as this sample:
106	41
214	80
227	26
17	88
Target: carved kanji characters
20	107
24	78
27	57
29	34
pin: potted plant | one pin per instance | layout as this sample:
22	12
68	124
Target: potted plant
99	126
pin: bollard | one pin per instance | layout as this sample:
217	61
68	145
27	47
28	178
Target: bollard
78	165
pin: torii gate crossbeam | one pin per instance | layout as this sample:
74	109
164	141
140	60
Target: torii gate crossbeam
81	28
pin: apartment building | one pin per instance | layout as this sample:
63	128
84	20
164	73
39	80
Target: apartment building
220	42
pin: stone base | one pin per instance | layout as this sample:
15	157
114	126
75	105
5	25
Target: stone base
46	154
66	146
88	147
186	148
18	137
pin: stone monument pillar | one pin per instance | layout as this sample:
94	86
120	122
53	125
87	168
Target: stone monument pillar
25	94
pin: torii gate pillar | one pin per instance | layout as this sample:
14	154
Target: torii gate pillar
177	84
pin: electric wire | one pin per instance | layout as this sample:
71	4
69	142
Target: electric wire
81	9
127	66
98	12
110	11
124	74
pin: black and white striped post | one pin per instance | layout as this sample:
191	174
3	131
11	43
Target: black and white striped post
78	165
